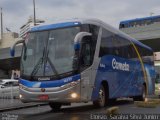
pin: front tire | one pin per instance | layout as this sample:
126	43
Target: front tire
55	106
102	101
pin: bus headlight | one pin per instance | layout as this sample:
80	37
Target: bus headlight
20	96
74	95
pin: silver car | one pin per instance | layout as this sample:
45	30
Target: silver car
9	88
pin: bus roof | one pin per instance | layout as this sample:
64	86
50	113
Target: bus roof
139	19
54	26
76	22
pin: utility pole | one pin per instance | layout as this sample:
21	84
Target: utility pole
34	19
151	14
1	25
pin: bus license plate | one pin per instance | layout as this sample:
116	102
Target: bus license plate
43	97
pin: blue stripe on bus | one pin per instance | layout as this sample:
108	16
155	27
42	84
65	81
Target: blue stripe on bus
54	26
48	84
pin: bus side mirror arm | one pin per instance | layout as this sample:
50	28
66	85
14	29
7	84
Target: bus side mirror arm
12	49
78	38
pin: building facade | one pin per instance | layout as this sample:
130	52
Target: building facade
7	64
8	39
27	26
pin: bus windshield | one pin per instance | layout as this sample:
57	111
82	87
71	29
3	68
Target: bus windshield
49	53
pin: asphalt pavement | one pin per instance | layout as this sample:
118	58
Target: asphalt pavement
13	104
83	111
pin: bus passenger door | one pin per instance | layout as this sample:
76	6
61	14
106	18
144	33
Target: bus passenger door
85	63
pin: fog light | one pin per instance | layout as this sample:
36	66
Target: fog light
20	96
74	95
146	99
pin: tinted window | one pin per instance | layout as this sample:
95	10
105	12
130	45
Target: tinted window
95	31
146	54
88	45
86	54
112	44
106	46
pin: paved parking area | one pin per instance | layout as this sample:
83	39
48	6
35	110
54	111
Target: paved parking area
11	104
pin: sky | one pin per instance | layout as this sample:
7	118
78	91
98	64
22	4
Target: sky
17	12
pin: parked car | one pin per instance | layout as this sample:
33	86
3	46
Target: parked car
9	88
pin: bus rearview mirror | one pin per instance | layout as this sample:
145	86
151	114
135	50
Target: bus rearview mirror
12	52
12	49
78	38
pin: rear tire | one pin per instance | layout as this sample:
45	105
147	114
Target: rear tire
141	97
55	106
112	101
102	100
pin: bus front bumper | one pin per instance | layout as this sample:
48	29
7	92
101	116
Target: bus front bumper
63	94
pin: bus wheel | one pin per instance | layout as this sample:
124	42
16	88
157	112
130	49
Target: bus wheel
112	101
141	97
144	93
101	102
55	106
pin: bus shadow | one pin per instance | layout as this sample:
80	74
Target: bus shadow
92	108
78	111
120	102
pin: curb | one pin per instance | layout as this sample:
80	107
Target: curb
21	107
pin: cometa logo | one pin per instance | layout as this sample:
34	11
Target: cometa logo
119	66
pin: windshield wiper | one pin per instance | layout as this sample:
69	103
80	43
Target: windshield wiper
44	60
52	65
40	62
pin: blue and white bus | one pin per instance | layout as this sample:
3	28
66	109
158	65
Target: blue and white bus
83	60
139	22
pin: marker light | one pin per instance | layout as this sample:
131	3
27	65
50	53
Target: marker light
76	23
74	95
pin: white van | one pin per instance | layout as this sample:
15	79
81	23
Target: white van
9	88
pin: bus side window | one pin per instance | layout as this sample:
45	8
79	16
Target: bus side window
106	46
124	47
85	58
86	54
116	49
95	31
